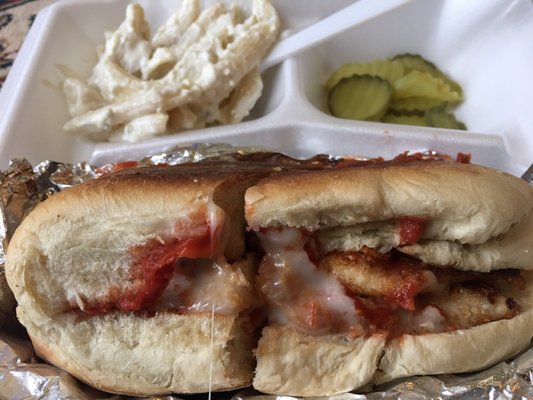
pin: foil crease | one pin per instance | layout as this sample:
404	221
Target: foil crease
24	376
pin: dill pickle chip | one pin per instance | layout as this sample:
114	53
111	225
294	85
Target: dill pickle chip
386	69
419	63
360	97
416	120
405	89
438	117
414	105
423	84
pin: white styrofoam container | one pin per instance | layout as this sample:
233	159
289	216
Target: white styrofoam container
484	44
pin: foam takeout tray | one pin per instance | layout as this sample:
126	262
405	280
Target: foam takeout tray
484	44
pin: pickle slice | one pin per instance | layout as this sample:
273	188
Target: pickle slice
438	117
414	105
423	84
416	120
360	97
419	63
386	69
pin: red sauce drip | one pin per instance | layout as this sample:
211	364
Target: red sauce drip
119	166
381	317
404	295
153	267
122	165
411	229
151	270
463	158
405	156
312	314
318	319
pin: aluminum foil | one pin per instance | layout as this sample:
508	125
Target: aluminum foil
528	175
24	376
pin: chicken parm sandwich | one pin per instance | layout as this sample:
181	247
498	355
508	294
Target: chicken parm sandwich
155	280
138	283
391	269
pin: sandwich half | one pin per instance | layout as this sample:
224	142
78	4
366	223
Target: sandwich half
390	269
138	282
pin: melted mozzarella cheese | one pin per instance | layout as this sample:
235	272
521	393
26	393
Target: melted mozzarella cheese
199	285
298	293
430	319
216	217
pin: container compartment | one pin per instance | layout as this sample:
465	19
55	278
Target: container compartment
483	44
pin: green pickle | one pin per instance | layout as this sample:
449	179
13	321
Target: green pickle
385	69
360	97
438	117
417	62
405	89
414	105
423	84
402	119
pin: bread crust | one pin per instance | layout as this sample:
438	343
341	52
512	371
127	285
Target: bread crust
144	356
481	210
513	249
75	247
463	202
462	350
293	363
296	364
78	241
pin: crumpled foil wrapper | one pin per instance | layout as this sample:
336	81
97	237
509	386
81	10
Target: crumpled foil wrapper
24	376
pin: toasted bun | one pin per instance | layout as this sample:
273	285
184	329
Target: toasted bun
462	350
476	219
513	249
139	356
296	364
462	202
292	363
382	236
75	247
77	242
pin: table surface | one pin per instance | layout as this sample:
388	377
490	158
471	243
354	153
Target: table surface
16	17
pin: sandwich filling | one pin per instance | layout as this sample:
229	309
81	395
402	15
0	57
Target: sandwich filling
181	275
365	291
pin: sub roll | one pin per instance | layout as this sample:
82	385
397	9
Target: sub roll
299	277
390	269
138	282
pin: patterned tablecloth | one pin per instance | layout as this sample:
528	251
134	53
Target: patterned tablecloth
16	17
